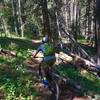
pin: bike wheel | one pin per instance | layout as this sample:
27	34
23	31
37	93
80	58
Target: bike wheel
54	88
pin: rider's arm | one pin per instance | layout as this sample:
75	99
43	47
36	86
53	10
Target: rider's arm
41	48
36	53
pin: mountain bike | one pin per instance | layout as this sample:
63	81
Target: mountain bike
53	78
52	81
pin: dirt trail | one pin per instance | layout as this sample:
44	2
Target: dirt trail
1	95
65	93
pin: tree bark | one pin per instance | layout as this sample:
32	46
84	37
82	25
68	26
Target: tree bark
46	22
95	25
89	15
5	26
4	20
98	34
53	23
15	17
20	18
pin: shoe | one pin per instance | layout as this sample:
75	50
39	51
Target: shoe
45	82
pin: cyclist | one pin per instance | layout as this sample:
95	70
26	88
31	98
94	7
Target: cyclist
49	58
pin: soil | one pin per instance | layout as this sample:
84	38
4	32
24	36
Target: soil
65	92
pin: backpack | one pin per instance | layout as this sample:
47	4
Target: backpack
49	49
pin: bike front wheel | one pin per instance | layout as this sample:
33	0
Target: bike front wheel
54	88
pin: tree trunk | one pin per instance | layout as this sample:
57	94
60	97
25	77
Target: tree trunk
75	19
98	47
88	16
4	20
79	19
53	24
95	25
5	26
15	17
20	18
98	34
46	22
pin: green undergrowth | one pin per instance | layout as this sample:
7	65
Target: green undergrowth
89	82
17	83
86	45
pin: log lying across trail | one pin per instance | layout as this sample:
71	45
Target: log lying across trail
77	61
12	53
66	58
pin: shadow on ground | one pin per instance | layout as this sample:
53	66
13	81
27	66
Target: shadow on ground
20	43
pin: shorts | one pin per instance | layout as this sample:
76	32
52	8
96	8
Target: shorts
48	61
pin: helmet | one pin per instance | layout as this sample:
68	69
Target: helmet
45	39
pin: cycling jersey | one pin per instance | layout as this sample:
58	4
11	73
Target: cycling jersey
47	49
49	54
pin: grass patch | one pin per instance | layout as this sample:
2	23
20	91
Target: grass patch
85	45
18	85
16	44
87	80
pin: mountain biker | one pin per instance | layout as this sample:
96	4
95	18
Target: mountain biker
49	58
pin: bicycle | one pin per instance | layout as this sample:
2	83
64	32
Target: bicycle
53	82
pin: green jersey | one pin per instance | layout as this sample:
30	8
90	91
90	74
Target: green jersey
47	49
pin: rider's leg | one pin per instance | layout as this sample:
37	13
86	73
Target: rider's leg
48	70
42	68
47	65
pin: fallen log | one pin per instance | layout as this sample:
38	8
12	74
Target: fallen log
78	61
12	53
74	60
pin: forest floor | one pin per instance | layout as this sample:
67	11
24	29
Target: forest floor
17	84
